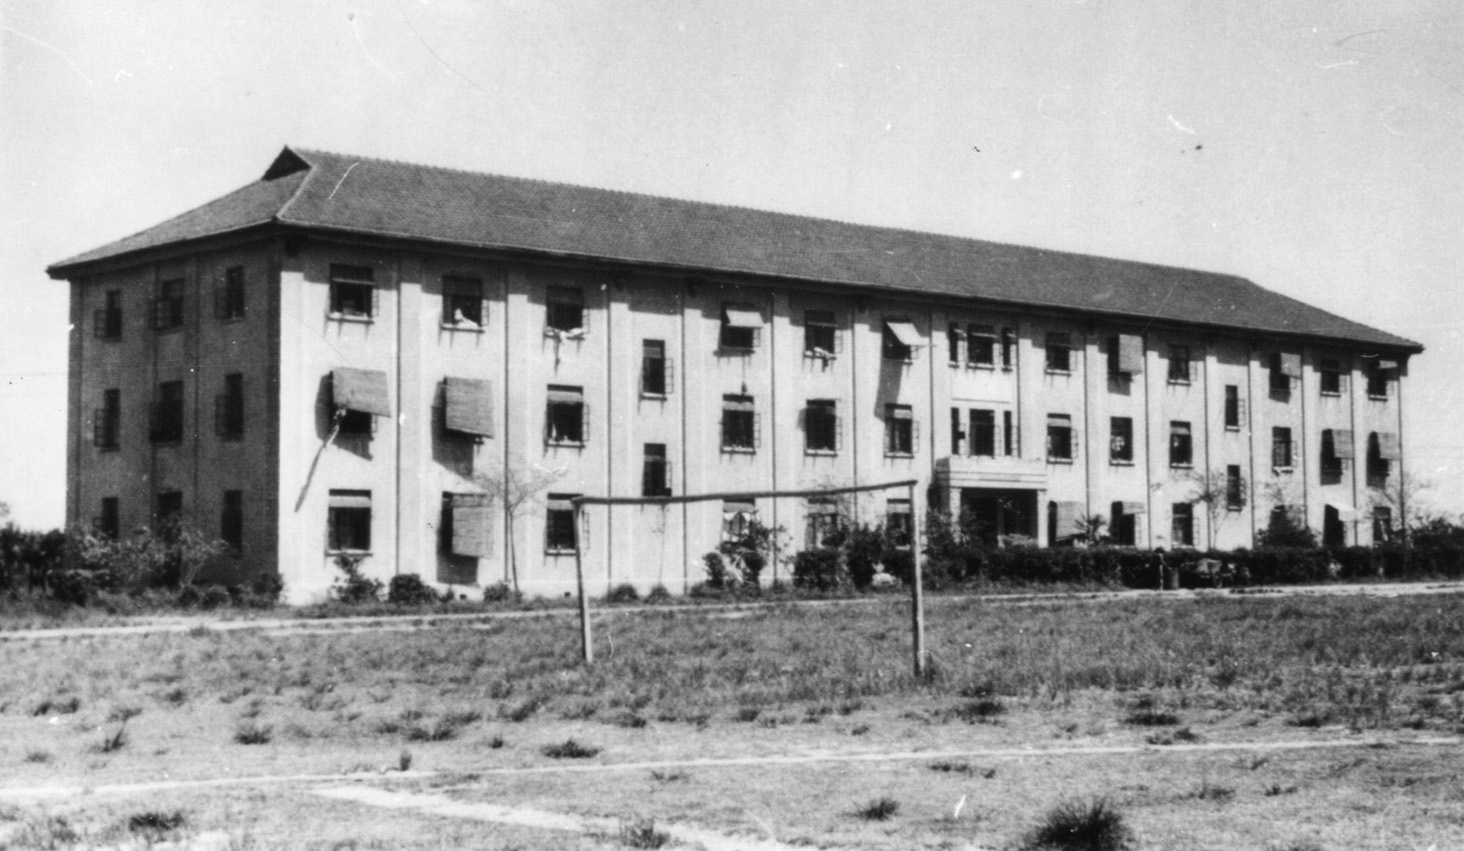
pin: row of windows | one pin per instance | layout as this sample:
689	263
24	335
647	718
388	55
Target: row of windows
166	414
1122	519
169	509
166	309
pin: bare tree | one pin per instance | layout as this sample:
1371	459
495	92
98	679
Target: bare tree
1213	491
1406	497
515	487
1090	528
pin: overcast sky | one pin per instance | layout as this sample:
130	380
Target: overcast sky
1314	147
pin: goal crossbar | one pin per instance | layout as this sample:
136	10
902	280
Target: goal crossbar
917	604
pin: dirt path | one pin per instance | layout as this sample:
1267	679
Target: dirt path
485	620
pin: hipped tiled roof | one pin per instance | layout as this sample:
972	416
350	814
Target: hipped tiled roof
324	191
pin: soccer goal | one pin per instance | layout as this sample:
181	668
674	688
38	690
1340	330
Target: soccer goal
917	605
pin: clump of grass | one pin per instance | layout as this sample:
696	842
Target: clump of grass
642	833
523	710
982	710
57	706
1276	789
569	749
880	809
154	822
815	714
748	714
176	696
38	756
966	768
629	720
1210	792
249	733
404	760
581	711
668	776
1149	717
123	714
1094	825
859	730
114	742
496	742
440	730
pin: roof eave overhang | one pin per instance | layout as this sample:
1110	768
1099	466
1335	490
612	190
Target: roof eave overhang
68	269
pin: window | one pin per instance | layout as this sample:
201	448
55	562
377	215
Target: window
983	433
1377	461
352	292
655	368
1232	407
1008	348
229	408
899	430
821	519
1379	374
980	345
1125	356
1182	524
1181	444
358	397
1331	462
565	310
655	471
107	321
462	302
1382	520
167	307
1331	381
466	528
348	518
229	300
900	339
168	518
1179	365
953	343
1120	440
107	524
1285	366
167	414
1062	441
231	520
1234	488
1281	448
468	407
820	334
1059	352
107	420
566	416
737	519
740	430
899	522
741	328
821	426
1334	532
1121	524
1008	434
958	433
559	531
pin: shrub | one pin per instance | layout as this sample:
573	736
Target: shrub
1082	826
499	592
408	589
880	809
623	593
658	594
354	587
642	833
249	733
716	568
214	596
820	569
569	749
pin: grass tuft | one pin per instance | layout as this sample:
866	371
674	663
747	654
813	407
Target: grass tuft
1094	825
155	822
569	749
249	733
880	809
642	833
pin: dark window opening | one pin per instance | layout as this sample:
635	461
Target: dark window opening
821	426
229	408
1008	348
820	334
1008	434
655	471
1377	465
167	414
107	524
655	368
107	420
1382	523
231	520
349	521
169	517
229	302
352	291
1059	352
1121	440
1182	525
565	309
1331	378
1232	406
898	339
980	345
566	416
899	430
1179	364
167	307
1122	525
1331	462
739	423
983	432
741	327
107	321
1061	439
899	522
821	519
462	302
1234	488
1334	531
1281	447
1181	444
559	531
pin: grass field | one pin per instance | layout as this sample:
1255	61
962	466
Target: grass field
1217	722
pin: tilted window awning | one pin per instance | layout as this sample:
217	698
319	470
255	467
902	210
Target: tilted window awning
1130	353
472	525
469	406
1389	447
742	316
904	331
1343	445
363	390
1068	515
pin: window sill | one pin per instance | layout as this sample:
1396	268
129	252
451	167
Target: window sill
1282	471
739	450
659	397
1067	461
551	551
1235	508
1124	377
1375	398
1188	466
566	444
985	367
1117	462
826	358
170	443
1234	428
899	455
900	361
351	317
1007	368
1334	394
464	327
1180	382
825	453
733	352
351	553
1051	371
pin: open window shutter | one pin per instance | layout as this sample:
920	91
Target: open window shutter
1389	447
1130	353
1194	370
472	525
1291	364
1343	445
838	341
363	390
757	431
1067	519
375	301
585	422
953	342
670	381
1344	383
838	434
914	436
1240	411
1073	444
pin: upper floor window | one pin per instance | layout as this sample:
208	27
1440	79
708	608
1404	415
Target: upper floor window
900	430
1181	445
1181	368
352	291
980	346
820	334
1059	352
565	311
167	413
741	328
462	302
107	321
1331	377
229	408
229	299
1125	356
1233	407
983	432
467	407
1008	434
900	339
740	431
1331	458
1380	374
1281	447
107	420
1120	440
167	307
1008	348
821	426
655	368
655	471
1062	441
1382	449
566	419
1234	488
1285	368
358	397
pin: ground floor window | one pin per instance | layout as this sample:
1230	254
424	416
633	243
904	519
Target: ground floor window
1182	524
559	531
349	521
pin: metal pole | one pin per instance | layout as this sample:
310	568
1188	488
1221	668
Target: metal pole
587	647
917	594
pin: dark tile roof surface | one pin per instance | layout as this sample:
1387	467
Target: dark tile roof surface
318	190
